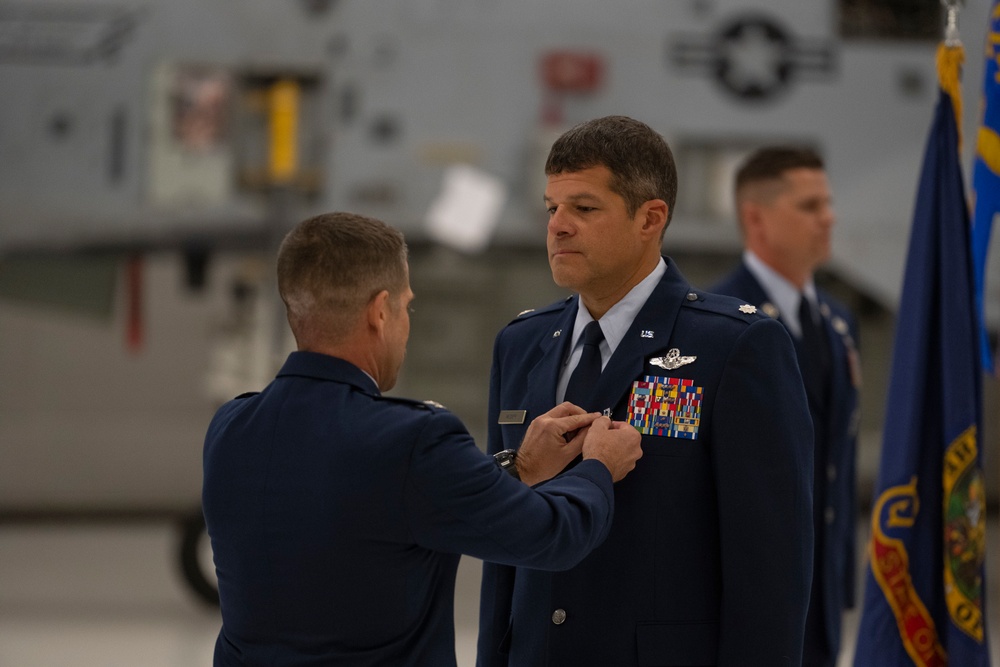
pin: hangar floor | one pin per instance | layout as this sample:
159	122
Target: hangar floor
101	595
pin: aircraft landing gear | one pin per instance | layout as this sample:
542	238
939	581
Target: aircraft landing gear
195	553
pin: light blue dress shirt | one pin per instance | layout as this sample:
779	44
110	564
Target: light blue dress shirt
783	294
615	323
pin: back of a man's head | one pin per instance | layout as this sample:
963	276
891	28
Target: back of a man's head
640	161
329	268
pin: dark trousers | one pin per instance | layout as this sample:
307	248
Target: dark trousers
815	649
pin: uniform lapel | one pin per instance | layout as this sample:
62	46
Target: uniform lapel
544	375
758	296
840	373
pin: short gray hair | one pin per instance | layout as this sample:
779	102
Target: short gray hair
330	266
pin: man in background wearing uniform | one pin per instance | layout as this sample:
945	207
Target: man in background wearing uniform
337	515
710	556
784	207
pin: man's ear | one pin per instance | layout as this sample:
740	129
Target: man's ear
377	311
654	216
749	215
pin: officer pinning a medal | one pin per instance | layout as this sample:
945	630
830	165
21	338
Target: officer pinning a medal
337	514
709	561
786	215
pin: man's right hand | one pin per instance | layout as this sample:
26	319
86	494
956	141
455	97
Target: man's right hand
552	441
615	444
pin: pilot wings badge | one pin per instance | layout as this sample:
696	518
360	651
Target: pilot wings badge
672	360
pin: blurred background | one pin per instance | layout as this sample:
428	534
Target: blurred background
153	154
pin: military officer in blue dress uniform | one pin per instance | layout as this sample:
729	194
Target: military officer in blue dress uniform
337	514
784	205
709	559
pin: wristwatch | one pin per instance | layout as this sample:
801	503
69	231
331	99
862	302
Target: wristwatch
505	460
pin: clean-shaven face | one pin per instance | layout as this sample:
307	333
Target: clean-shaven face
797	221
594	245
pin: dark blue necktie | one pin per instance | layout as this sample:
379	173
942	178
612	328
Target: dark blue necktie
583	381
815	359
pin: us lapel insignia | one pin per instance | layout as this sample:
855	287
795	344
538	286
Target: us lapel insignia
748	309
646	333
672	361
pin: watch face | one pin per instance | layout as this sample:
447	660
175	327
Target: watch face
505	458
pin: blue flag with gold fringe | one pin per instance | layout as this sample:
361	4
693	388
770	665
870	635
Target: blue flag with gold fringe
986	169
924	602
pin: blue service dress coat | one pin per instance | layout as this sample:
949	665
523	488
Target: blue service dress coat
337	517
709	558
836	422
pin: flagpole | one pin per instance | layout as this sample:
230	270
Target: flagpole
950	56
951	36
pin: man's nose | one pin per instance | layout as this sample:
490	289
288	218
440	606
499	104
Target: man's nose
559	222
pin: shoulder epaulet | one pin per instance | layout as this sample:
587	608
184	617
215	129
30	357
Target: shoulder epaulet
246	394
413	403
723	305
532	312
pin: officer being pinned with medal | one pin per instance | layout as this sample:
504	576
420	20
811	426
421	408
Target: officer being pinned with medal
709	561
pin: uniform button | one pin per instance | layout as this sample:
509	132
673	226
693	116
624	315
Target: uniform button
692	296
830	515
831	473
559	616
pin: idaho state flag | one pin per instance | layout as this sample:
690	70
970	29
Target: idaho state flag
924	602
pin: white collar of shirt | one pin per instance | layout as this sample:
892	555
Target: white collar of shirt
782	293
615	324
374	383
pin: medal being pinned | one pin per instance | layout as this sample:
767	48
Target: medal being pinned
672	360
